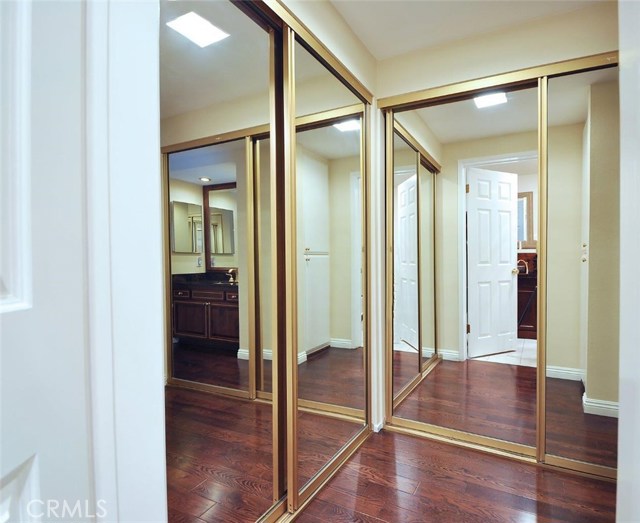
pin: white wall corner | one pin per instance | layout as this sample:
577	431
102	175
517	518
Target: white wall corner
599	407
302	357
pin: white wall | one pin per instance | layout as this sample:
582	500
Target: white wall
628	506
604	243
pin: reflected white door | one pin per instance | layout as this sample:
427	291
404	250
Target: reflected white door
406	299
491	248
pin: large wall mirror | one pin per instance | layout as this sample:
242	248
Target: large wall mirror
329	257
526	256
581	406
216	432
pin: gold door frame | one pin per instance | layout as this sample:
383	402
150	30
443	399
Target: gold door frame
532	77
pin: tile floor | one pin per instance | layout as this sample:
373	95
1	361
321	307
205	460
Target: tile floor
525	354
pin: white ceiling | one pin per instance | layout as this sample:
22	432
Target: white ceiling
394	27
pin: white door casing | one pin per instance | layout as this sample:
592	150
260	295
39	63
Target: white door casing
406	264
491	248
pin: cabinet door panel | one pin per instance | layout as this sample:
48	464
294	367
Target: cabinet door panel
190	319
223	322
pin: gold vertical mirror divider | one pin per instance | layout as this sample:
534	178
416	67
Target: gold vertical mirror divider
537	345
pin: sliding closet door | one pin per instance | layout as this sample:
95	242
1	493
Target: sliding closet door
581	406
329	363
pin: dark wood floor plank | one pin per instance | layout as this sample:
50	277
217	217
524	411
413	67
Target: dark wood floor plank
457	485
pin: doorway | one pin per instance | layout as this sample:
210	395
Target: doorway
499	227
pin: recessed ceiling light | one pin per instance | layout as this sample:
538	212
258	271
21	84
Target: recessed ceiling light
488	100
349	125
197	29
205	179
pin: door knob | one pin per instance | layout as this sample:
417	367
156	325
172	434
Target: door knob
515	270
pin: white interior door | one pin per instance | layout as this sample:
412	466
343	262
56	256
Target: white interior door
406	263
491	247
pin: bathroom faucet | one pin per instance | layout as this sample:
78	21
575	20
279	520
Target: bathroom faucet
233	275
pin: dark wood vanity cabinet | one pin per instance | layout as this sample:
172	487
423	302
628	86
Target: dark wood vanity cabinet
527	296
206	313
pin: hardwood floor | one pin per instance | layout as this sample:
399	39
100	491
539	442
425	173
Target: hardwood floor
219	455
332	375
214	366
499	401
396	478
573	434
405	368
490	399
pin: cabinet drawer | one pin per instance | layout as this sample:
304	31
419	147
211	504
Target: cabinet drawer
181	293
231	296
207	295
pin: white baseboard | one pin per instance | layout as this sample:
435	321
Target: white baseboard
565	373
599	407
243	354
341	343
449	355
427	352
377	427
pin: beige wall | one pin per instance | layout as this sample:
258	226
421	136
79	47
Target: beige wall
604	244
340	233
564	246
582	32
180	191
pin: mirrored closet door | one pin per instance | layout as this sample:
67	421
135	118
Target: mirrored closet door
582	271
329	364
526	250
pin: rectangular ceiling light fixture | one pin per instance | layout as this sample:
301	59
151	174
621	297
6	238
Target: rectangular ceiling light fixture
349	125
488	100
197	29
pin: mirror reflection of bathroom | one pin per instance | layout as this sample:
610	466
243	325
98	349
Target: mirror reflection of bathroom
207	339
220	456
484	317
582	269
328	224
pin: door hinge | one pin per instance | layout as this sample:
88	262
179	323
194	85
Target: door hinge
467	188
468	329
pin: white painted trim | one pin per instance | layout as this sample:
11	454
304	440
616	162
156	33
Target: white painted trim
341	343
450	355
243	354
15	169
99	273
377	427
565	373
123	166
599	407
377	278
463	165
